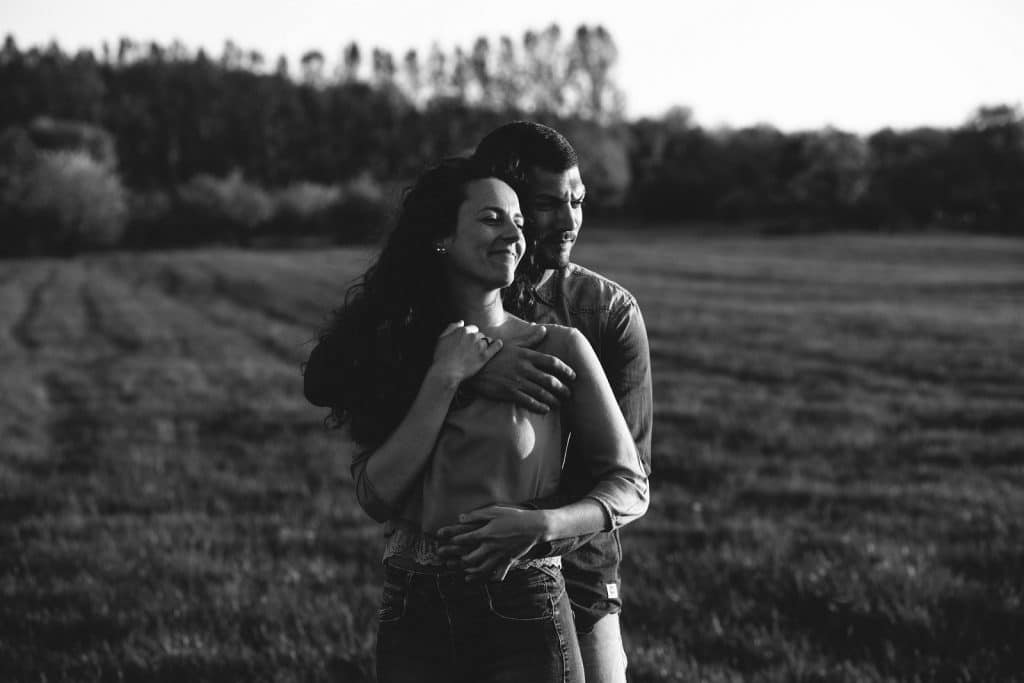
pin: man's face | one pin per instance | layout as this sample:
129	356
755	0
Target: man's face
553	209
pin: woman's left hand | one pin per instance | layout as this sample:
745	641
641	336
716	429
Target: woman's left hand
489	540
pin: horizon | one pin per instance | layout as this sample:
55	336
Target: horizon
817	65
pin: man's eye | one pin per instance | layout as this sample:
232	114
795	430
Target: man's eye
577	203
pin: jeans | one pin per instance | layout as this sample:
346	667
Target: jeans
436	626
604	658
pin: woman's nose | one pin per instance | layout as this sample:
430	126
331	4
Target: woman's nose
512	231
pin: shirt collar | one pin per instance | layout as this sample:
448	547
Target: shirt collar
550	292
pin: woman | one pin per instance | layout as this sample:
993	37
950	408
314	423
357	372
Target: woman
425	317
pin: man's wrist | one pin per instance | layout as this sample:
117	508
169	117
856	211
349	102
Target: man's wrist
547	524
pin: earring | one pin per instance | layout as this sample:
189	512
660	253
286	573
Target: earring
440	249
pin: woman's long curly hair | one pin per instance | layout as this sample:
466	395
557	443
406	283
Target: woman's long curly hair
381	341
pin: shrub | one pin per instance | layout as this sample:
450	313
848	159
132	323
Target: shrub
75	136
151	220
17	160
363	213
219	209
65	202
306	208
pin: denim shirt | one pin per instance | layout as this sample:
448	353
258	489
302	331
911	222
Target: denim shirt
610	319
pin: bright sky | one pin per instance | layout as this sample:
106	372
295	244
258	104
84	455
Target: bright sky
793	63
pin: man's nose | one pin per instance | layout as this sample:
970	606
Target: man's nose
567	218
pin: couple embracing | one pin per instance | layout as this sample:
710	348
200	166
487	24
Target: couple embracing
500	399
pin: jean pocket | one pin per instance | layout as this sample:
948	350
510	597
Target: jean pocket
525	595
393	596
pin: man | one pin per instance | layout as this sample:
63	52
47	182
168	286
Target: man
551	194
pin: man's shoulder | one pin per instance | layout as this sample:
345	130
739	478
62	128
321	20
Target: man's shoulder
587	285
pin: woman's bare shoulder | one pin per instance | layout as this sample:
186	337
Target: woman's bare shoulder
567	343
564	342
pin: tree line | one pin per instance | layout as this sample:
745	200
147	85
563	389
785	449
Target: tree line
185	147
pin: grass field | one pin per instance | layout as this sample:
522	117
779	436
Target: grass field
838	488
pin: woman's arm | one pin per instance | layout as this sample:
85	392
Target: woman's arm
384	475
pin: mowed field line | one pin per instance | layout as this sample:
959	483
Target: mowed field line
29	305
24	404
54	317
256	279
189	290
290	287
20	292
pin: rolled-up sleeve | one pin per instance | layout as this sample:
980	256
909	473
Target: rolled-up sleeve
627	365
602	451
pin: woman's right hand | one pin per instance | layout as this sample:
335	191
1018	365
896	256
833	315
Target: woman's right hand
462	350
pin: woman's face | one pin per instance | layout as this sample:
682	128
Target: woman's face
487	243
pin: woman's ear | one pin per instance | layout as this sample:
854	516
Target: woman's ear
441	246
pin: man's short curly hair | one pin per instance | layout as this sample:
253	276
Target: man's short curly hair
526	145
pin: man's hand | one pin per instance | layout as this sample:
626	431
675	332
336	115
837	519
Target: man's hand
488	541
534	380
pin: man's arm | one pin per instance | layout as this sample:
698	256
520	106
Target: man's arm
607	469
534	380
627	365
626	362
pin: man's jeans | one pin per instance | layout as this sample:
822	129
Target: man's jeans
603	655
439	627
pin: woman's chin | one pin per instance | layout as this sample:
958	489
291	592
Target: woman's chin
506	281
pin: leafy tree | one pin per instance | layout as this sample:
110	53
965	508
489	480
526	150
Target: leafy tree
69	202
412	76
481	69
383	68
906	177
832	178
508	77
350	62
312	63
437	72
592	57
